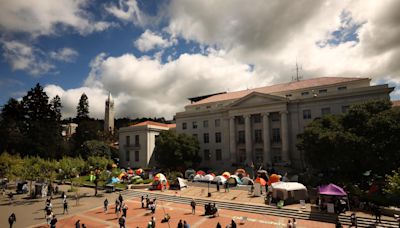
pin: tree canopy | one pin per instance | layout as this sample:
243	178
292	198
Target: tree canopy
83	108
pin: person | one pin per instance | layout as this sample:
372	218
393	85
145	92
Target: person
233	224
378	213
294	223
142	201
49	217
105	205
226	186
10	197
289	224
217	186
83	225
193	205
180	224
353	220
147	201
185	224
219	225
124	209
65	207
120	198
12	219
78	224
121	222
53	222
56	190
153	222
166	218
153	207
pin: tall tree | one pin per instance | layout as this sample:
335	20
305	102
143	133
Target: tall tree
83	108
11	127
56	108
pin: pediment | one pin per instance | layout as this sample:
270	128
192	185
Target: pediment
256	98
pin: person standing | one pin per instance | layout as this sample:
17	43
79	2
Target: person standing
12	219
219	225
142	201
217	186
53	222
65	207
378	213
121	222
124	210
185	224
105	205
180	224
147	201
116	206
289	224
153	222
193	205
78	224
294	223
233	224
120	198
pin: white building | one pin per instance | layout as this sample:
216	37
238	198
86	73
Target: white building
137	143
261	125
109	115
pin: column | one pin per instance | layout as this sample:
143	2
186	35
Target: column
232	139
266	139
285	138
247	132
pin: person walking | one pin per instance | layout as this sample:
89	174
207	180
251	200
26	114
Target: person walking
294	223
124	210
180	224
147	201
217	186
219	225
65	204
193	205
142	201
185	224
153	222
105	205
120	198
378	214
233	224
78	224
289	224
53	222
12	219
121	222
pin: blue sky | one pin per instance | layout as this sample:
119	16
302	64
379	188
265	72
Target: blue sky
152	55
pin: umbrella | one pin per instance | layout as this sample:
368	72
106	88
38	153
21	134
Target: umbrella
226	175
201	172
261	181
247	181
139	171
208	177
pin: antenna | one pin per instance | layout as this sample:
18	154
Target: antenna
298	76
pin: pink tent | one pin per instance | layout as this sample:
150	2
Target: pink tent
332	190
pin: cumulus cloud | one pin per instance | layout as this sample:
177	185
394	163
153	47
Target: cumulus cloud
126	10
149	40
64	54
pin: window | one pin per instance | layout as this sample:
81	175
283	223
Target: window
259	156
276	135
206	138
218	154
345	108
194	124
207	155
257	118
258	136
307	114
342	88
275	116
127	155
217	137
242	155
184	125
217	122
205	123
128	140
322	91
241	137
137	140
325	111
305	93
136	155
240	120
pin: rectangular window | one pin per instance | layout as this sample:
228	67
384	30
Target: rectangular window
128	140
325	111
184	125
241	136
240	120
136	155
205	123
137	140
259	156
217	122
342	88
257	118
275	116
194	124
127	155
242	155
307	114
218	154
276	135
207	155
321	91
206	138
217	137
258	136
345	108
305	93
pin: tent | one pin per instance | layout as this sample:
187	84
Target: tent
234	180
290	192
201	172
220	179
130	171
198	177
331	190
261	181
240	173
247	181
274	178
226	175
139	171
178	184
208	177
159	182
189	172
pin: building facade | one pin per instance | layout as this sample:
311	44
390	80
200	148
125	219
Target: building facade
137	143
260	126
109	115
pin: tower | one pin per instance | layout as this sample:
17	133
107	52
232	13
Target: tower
109	115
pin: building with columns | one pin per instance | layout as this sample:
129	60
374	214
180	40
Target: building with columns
109	115
260	126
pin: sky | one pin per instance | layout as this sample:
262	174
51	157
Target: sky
152	55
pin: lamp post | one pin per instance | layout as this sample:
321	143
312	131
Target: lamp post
208	191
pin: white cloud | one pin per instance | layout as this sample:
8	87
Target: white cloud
126	10
64	54
149	40
47	17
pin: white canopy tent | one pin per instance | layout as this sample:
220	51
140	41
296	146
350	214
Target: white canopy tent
289	190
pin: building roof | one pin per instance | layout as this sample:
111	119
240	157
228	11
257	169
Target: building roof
146	123
396	103
295	85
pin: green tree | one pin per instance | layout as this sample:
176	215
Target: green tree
95	148
393	183
83	108
71	167
9	166
177	150
87	130
11	127
56	108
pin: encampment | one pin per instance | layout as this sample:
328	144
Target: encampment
159	182
177	184
290	192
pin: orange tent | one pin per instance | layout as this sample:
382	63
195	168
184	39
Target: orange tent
226	175
274	178
261	181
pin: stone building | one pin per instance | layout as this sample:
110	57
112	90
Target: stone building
260	126
137	143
